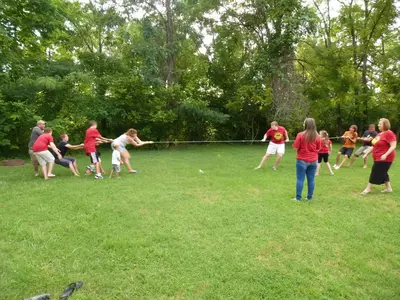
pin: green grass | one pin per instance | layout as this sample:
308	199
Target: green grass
171	232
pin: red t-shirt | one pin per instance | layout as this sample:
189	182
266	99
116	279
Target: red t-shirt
277	135
42	143
324	148
307	151
381	144
90	140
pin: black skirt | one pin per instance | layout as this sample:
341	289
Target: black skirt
379	172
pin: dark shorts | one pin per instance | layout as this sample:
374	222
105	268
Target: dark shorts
65	161
347	151
379	172
323	156
94	157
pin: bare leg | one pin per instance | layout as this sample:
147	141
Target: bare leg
338	157
329	167
388	187
101	169
98	168
367	189
318	167
263	161
51	165
36	168
343	161
72	167
365	162
278	159
76	167
44	169
111	173
353	159
126	159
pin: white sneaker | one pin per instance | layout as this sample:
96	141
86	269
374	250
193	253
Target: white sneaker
273	168
335	166
51	175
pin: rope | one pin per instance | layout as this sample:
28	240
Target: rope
226	141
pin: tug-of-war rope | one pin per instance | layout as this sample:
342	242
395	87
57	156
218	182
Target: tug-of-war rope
226	141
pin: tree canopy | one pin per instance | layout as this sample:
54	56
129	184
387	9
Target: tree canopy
199	69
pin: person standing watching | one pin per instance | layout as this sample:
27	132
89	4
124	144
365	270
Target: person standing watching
36	132
307	145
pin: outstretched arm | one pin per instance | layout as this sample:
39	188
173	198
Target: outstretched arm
104	140
74	147
264	138
136	142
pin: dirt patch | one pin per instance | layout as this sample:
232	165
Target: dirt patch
12	162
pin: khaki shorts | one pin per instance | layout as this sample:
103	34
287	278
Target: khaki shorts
34	160
44	157
361	151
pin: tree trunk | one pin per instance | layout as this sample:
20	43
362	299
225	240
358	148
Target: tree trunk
171	54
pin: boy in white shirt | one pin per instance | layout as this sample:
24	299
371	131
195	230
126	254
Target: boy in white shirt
116	161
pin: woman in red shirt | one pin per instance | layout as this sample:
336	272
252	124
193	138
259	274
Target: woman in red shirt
383	151
307	144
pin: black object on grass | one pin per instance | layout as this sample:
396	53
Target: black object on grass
69	290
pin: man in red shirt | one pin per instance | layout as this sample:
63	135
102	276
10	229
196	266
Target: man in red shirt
278	136
43	155
92	138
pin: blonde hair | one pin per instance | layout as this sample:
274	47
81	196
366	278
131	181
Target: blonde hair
385	124
325	136
131	132
274	123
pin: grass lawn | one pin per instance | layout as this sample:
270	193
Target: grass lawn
172	232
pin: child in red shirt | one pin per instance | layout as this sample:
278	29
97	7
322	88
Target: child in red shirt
43	155
324	152
92	138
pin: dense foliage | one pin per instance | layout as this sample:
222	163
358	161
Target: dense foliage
195	69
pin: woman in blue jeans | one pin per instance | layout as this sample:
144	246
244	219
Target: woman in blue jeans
307	144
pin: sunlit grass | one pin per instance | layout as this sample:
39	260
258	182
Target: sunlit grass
172	232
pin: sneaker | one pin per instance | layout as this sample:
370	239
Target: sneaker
295	199
257	168
273	168
365	167
332	174
51	175
36	174
133	172
98	177
336	167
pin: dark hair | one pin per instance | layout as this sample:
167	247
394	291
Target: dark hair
47	130
371	125
310	132
92	123
354	127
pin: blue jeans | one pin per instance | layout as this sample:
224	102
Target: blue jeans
304	169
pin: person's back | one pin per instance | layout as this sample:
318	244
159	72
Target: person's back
122	140
307	150
42	143
36	133
90	140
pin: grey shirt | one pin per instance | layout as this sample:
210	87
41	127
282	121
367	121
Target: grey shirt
36	132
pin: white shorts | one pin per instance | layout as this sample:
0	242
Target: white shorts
276	148
44	157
